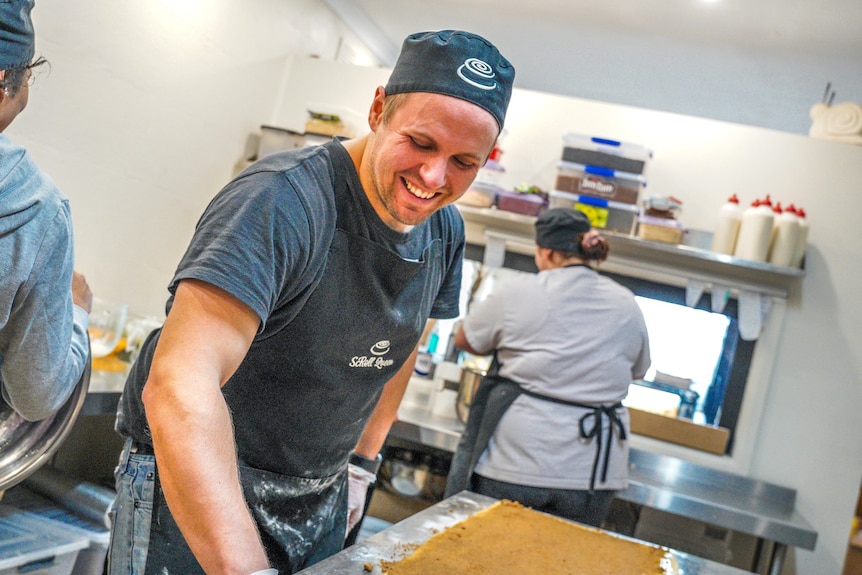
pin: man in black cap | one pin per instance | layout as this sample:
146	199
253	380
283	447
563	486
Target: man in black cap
567	343
44	304
293	324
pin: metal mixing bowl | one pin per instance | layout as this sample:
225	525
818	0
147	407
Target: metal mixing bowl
470	379
27	445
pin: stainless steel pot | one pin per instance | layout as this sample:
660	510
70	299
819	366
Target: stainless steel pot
27	445
467	387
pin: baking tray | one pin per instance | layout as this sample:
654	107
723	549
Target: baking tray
396	541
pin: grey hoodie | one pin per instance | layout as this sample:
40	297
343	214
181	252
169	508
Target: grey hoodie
43	336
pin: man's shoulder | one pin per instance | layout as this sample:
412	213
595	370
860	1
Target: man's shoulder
303	175
292	162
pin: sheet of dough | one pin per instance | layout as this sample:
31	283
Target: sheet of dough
509	538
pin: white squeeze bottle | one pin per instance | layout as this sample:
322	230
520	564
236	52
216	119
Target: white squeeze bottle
801	241
785	236
729	216
755	231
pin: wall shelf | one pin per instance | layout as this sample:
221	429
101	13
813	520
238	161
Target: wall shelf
632	255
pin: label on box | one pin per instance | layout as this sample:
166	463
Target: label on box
593	186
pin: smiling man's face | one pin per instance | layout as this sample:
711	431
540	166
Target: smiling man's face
425	155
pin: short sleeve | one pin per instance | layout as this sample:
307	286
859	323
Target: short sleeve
254	241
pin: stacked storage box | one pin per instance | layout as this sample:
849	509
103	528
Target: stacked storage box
602	178
33	545
90	560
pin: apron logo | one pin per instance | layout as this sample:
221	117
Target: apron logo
379	349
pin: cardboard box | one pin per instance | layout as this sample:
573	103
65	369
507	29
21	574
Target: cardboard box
679	431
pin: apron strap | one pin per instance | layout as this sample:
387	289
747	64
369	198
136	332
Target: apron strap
596	414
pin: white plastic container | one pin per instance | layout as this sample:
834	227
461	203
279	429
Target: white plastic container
802	240
89	561
612	216
599	182
755	231
785	237
613	154
30	544
727	229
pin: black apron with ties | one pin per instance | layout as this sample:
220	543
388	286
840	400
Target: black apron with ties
302	396
493	398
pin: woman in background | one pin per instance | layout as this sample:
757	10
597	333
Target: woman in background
547	427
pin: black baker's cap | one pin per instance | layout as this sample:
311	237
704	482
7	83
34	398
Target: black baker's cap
557	228
17	39
458	64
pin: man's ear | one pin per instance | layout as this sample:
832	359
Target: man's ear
375	114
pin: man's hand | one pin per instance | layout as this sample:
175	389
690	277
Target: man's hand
358	481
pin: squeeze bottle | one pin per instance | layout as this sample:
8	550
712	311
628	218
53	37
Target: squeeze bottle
802	240
755	231
729	216
785	236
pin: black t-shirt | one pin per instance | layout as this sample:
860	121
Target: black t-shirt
265	238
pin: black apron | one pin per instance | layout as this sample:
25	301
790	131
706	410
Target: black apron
313	380
493	398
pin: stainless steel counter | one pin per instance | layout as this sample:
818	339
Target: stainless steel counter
392	543
670	484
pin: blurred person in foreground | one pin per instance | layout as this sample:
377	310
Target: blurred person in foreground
254	418
44	303
547	427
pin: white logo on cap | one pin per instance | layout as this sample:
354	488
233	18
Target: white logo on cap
480	73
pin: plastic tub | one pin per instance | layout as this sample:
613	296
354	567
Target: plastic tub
90	560
528	204
609	215
660	229
36	546
599	182
595	151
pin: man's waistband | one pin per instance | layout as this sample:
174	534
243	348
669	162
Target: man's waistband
140	448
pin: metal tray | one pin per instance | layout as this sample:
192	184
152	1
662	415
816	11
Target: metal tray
390	543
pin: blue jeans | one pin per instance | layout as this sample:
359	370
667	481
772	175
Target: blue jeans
131	513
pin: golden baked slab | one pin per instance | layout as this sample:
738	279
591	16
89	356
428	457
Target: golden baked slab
510	538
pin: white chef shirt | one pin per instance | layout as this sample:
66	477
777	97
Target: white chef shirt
567	333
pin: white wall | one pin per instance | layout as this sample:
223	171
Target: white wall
147	106
149	103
